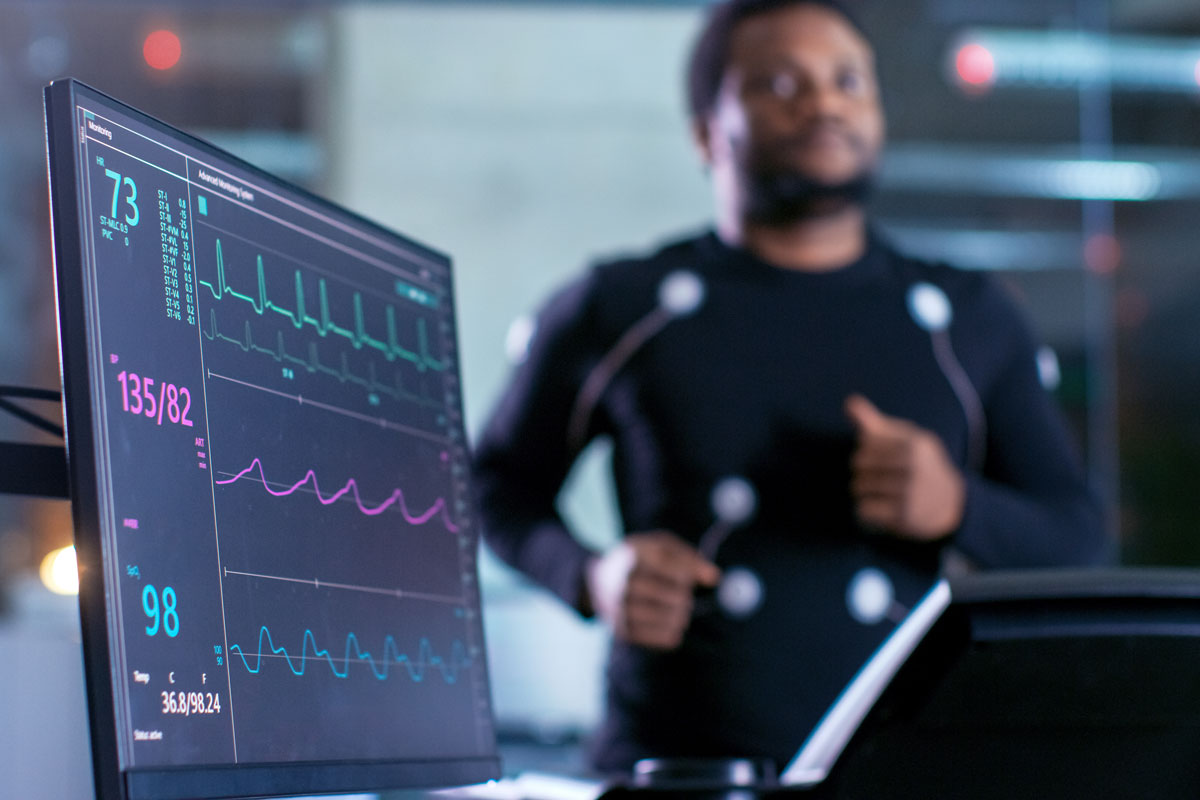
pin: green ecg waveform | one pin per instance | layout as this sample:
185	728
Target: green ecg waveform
313	364
324	324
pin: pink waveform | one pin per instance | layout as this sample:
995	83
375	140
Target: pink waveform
397	497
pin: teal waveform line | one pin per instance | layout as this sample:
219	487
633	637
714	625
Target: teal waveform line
396	498
324	324
313	364
417	668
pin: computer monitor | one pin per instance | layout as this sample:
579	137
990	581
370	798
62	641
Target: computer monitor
268	475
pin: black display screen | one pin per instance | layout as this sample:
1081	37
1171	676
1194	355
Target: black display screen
269	475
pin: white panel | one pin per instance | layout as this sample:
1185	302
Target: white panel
526	141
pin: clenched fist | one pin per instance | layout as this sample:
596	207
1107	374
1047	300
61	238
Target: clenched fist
643	587
903	481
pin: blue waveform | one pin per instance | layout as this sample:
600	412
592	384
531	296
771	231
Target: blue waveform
417	668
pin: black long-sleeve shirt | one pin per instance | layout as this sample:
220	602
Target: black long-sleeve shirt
752	384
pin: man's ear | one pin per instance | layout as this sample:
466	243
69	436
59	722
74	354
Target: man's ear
702	139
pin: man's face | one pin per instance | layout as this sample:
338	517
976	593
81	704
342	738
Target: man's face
798	113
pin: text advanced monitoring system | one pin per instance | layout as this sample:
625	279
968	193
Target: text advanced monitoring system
281	468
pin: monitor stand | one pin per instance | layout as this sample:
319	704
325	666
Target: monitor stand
33	469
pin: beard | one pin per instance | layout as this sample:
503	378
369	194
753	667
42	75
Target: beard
778	192
781	196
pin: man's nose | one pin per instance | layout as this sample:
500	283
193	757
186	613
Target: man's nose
823	99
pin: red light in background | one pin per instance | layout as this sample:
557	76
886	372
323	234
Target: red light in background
975	65
1131	307
1102	253
162	49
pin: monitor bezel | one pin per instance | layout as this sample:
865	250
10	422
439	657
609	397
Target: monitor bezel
70	265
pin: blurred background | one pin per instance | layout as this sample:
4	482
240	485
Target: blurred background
1055	142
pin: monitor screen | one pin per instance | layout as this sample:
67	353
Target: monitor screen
268	474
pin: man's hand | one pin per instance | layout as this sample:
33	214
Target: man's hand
903	481
643	587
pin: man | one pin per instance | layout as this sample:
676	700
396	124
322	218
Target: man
802	419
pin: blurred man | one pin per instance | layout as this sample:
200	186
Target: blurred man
802	419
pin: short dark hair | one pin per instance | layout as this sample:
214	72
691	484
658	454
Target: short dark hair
710	54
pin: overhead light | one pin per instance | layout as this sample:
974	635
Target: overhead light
970	171
1072	59
1101	180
